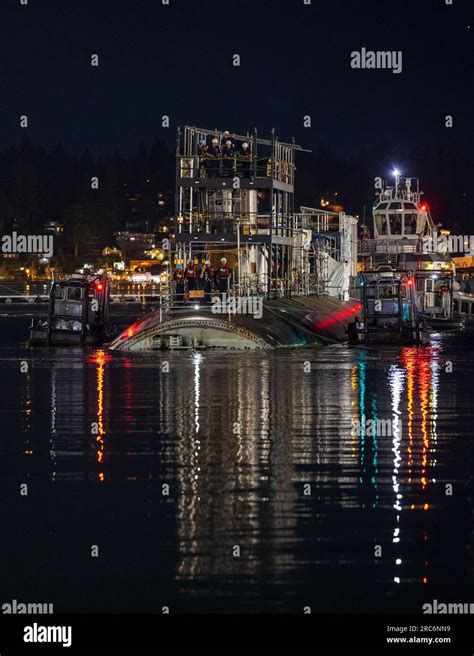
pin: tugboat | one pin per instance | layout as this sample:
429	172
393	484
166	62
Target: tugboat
403	229
78	313
390	310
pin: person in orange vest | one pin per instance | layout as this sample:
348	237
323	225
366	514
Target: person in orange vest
178	277
223	274
191	275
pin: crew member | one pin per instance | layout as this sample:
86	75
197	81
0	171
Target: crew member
223	275
214	155
178	277
225	138
206	277
245	158
228	158
191	276
445	300
355	330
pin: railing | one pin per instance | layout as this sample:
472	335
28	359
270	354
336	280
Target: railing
249	224
165	304
319	223
252	284
257	284
202	167
387	247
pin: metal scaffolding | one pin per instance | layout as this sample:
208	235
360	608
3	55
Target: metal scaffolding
237	203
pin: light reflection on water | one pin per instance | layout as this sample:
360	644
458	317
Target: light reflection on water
257	454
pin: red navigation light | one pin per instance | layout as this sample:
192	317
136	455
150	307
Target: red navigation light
99	286
424	207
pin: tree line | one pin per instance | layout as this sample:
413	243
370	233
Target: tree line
39	184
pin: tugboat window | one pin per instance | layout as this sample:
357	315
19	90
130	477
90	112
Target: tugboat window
386	292
74	294
381	224
410	224
395	224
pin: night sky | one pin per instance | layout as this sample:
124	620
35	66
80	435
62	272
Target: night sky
176	60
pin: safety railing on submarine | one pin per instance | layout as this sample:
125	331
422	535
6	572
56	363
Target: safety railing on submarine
249	285
203	167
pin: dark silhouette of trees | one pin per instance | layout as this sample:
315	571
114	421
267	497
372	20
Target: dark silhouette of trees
38	185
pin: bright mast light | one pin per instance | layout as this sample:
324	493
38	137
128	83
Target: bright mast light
396	173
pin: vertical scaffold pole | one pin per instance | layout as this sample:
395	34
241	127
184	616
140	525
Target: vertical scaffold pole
238	255
270	244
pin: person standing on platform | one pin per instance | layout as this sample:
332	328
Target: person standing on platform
179	278
225	138
214	159
228	154
223	275
445	300
191	276
206	277
245	158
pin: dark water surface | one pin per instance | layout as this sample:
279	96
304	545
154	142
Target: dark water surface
237	437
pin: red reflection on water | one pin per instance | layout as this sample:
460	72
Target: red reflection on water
100	358
418	365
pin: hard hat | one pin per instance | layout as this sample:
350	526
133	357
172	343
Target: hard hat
215	140
226	133
223	260
245	145
228	142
